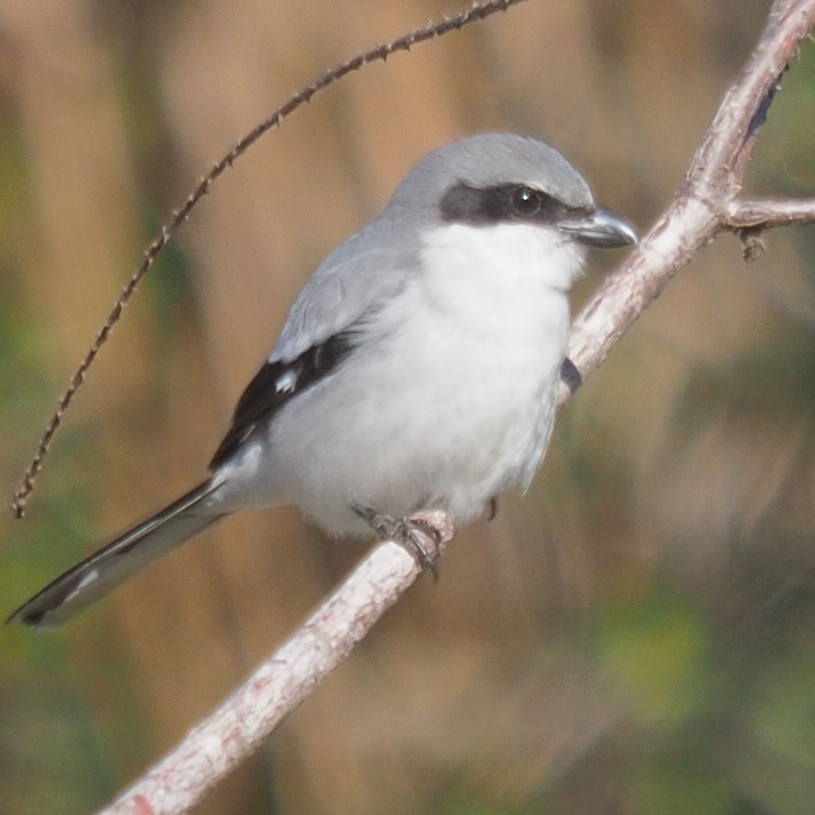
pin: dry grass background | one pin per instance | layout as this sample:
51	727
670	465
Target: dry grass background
635	636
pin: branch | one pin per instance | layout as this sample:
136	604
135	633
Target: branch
707	203
235	730
766	213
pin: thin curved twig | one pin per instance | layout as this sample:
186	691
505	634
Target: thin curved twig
431	31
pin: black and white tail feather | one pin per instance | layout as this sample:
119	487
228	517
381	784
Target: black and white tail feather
274	384
111	565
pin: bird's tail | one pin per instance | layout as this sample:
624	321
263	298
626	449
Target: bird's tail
111	565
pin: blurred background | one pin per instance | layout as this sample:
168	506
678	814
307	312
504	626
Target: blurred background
635	636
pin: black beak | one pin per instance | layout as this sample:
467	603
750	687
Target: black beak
600	229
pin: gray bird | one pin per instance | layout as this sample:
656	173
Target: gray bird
417	369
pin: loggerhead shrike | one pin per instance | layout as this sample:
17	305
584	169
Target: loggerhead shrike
416	370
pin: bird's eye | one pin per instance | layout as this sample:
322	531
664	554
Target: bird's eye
526	202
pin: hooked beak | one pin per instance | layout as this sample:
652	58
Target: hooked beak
599	228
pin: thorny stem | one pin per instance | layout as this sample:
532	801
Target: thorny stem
431	31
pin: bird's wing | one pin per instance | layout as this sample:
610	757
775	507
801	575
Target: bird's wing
361	273
323	327
275	384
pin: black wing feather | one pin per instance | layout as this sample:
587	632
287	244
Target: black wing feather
277	382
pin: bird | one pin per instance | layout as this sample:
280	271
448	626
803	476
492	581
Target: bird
416	370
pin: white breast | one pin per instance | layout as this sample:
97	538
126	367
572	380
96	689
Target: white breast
449	401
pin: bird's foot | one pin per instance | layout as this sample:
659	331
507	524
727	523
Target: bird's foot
420	534
570	374
492	508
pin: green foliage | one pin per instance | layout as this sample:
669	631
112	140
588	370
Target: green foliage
655	653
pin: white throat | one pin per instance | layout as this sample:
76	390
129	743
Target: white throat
505	277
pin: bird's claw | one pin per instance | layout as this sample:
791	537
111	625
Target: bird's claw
417	534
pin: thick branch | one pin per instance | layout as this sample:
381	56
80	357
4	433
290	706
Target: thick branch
707	201
234	731
718	166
